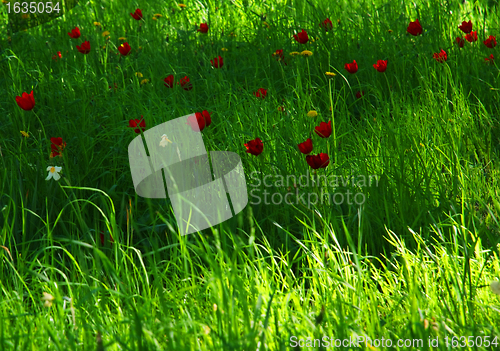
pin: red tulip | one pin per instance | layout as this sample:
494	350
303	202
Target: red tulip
351	67
466	27
137	14
140	123
306	147
55	57
124	49
318	161
326	24
75	33
57	146
489	59
217	62
324	130
26	101
255	147
460	41
440	56
359	94
491	42
169	81
471	37
101	234
199	120
85	48
381	65
414	28
261	93
279	54
203	28
185	84
301	37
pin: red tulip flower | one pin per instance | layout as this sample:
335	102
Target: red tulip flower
217	62
58	55
324	130
75	33
85	48
203	28
133	123
279	54
255	147
460	41
306	147
440	56
326	24
359	94
124	49
57	146
185	84
414	28
466	27
169	81
318	161
26	101
351	67
471	37
490	59
261	93
199	121
491	42
301	37
137	14
381	65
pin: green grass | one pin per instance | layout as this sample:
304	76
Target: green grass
414	261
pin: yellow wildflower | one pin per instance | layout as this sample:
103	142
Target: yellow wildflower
105	33
26	135
97	24
224	49
122	38
306	53
154	18
182	5
144	81
139	74
294	53
158	15
312	113
330	74
267	25
390	30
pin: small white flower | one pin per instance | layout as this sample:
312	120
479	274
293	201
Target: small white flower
495	287
53	172
164	140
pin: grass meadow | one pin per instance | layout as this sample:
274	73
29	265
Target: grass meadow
409	262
